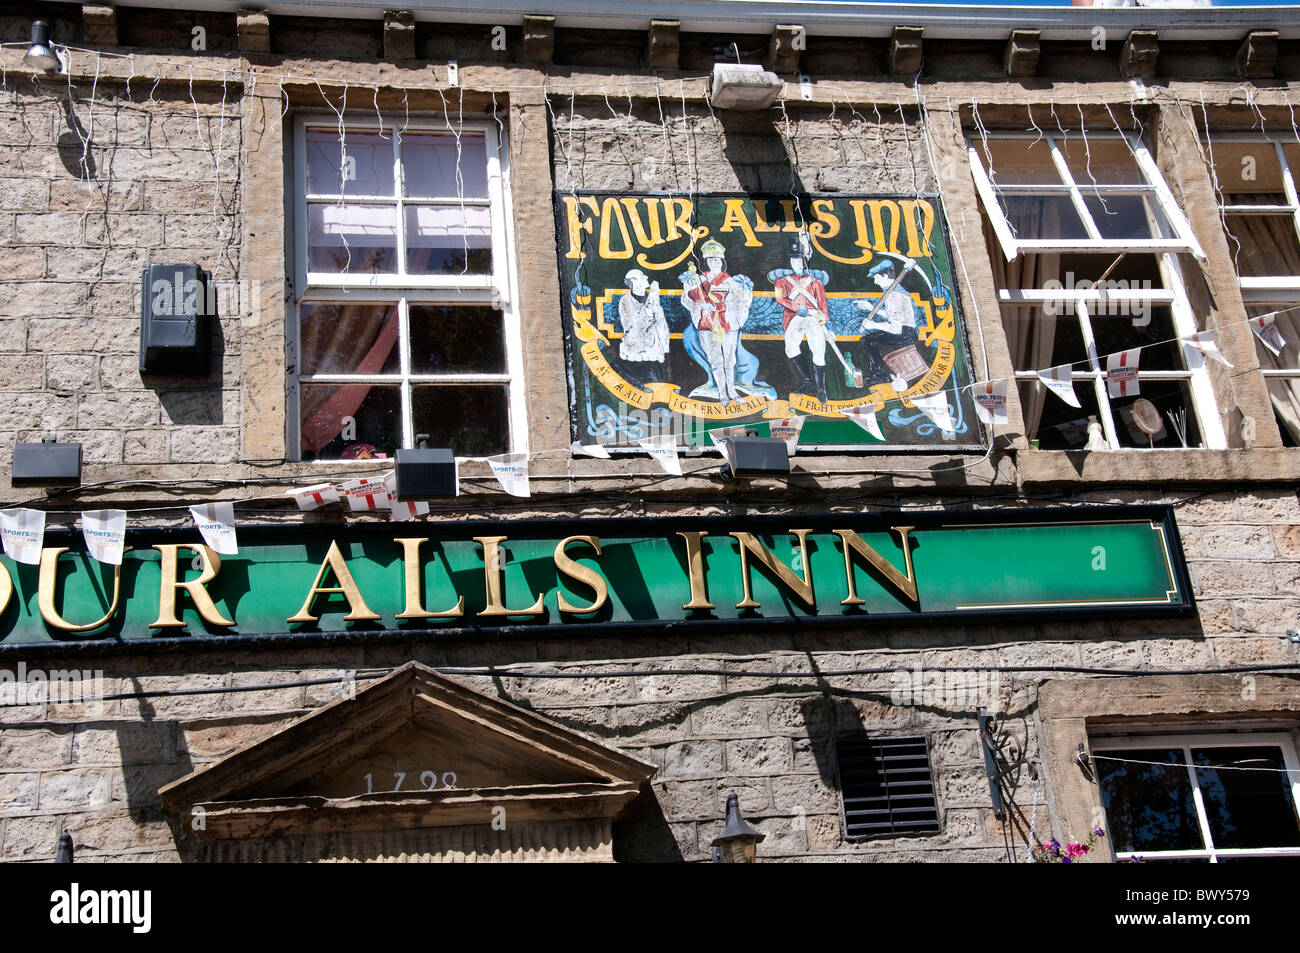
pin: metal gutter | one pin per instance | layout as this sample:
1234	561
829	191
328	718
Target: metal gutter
818	17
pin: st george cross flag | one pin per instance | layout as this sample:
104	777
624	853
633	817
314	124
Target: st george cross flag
23	533
216	523
403	509
1204	342
787	429
104	532
511	471
365	494
589	450
1265	328
719	436
1122	372
664	449
865	417
935	406
314	497
1060	381
991	401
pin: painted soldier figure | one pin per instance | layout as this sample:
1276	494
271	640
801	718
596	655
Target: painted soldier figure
718	304
802	295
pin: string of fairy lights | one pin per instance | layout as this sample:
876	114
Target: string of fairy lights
686	175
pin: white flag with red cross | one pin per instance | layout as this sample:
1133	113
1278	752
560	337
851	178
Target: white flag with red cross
23	533
314	497
216	523
403	509
1265	328
366	494
865	417
1060	381
991	401
589	450
1205	343
664	449
1122	372
104	532
788	429
511	471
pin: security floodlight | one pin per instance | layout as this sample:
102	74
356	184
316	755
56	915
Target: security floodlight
41	55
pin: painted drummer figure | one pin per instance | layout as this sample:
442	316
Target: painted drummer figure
718	304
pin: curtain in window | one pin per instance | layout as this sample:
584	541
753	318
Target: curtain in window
1030	332
360	328
1268	243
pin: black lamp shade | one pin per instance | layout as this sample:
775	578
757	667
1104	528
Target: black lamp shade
423	474
757	456
46	464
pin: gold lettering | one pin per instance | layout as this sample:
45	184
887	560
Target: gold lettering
411	579
656	235
677	212
801	587
578	225
853	543
495	589
734	217
760	217
357	608
169	565
6	588
46	591
583	574
611	214
916	246
790	211
695	568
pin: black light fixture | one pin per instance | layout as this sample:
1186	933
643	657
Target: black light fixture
41	55
177	308
755	456
64	855
422	474
46	464
738	842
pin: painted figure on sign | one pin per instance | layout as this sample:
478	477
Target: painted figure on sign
645	330
889	329
802	295
718	304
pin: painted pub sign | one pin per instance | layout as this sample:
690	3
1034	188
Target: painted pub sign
688	313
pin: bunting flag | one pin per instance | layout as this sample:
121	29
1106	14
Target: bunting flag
314	497
23	534
1204	342
589	450
105	533
511	470
1060	381
664	449
1122	373
788	429
719	436
991	401
365	494
216	523
402	509
865	417
935	406
1265	328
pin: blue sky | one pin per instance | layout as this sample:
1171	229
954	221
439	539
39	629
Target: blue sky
1065	3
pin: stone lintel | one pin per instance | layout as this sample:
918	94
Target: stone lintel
905	51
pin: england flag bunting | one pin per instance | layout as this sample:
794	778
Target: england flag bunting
589	450
104	532
664	449
788	429
1122	373
991	401
23	533
216	523
366	494
1060	381
865	417
314	497
403	509
1265	328
935	406
1204	342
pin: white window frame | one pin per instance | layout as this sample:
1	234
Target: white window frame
1154	185
1284	289
1099	743
496	290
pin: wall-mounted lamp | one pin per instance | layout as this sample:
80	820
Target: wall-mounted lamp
743	86
738	842
65	852
754	457
41	55
46	464
422	474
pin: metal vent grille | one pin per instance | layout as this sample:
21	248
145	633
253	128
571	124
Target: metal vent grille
886	787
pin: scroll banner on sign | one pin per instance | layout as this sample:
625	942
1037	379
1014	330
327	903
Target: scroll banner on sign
690	312
390	581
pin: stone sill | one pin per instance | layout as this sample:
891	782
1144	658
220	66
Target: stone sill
1160	467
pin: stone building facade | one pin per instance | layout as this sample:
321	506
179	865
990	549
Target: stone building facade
172	138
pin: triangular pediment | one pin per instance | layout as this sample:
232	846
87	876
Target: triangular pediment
414	749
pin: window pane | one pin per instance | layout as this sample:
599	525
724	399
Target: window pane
429	166
357	239
1148	806
1264	246
1043	337
361	165
472	421
448	240
1127	216
1018	161
349	339
1168	398
1148	326
446	340
1288	324
1042	217
1054	423
1252	808
1245	169
1100	161
351	421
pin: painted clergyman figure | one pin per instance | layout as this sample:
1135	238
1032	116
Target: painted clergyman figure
718	304
645	330
802	295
